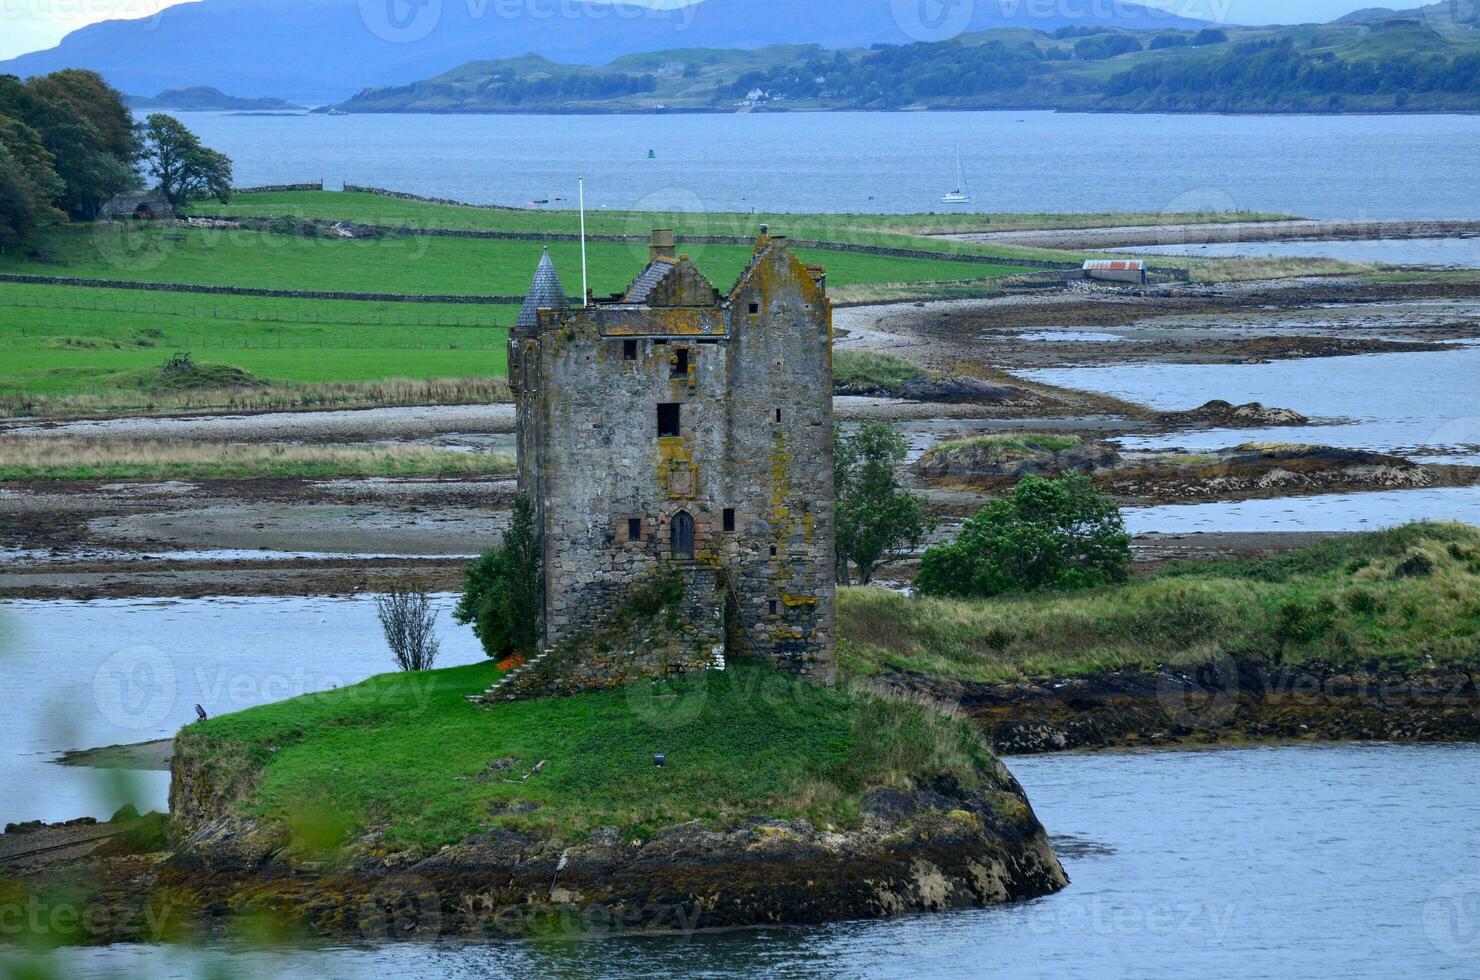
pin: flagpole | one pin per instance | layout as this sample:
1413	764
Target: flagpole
585	289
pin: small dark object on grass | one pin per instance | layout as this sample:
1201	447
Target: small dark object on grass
660	760
200	713
410	626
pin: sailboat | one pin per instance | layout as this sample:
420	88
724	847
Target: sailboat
962	193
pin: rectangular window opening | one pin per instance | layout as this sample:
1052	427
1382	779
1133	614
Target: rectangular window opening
668	422
729	519
778	415
629	350
634	529
773	551
755	308
771	607
681	362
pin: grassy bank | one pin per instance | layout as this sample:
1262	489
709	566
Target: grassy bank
407	755
867	229
1407	598
108	344
871	370
75	458
409	265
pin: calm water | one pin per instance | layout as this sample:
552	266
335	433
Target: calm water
109	672
1422	404
1316	166
1339	862
1444	253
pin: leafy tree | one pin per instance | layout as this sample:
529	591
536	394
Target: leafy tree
1050	534
503	589
17	202
28	182
876	520
184	167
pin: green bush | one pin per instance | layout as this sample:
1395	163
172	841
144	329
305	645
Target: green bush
502	589
1050	534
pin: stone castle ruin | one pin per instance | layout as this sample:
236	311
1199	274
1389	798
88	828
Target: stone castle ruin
676	445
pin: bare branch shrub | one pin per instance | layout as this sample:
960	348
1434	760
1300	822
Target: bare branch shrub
410	626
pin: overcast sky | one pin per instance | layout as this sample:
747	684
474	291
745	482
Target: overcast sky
29	25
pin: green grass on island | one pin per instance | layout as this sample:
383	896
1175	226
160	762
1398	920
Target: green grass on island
1403	599
407	755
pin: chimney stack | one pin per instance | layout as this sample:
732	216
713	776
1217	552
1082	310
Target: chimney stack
663	245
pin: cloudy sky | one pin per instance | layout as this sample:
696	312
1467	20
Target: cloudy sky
29	25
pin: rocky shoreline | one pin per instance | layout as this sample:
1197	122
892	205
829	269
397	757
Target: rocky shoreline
931	848
1223	701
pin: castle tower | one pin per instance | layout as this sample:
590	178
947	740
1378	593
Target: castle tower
673	432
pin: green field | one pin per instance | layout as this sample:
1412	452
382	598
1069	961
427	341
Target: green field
891	230
57	340
70	350
419	265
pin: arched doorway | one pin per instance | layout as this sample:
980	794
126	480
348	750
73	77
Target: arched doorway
682	531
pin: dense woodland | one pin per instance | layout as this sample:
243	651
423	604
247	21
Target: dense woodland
67	145
1212	75
508	89
1272	73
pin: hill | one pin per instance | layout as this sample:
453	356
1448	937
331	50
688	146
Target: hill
204	98
1384	65
319	51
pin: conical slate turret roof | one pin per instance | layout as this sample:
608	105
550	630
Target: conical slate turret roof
545	293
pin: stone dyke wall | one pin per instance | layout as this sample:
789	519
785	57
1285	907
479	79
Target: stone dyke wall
316	185
404	196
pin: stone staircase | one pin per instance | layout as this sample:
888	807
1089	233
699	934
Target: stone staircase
502	691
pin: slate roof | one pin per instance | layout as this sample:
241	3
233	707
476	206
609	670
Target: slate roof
128	203
642	287
545	293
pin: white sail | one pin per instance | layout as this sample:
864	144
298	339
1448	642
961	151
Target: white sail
962	192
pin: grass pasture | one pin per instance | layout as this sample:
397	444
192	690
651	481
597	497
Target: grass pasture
411	265
59	342
906	230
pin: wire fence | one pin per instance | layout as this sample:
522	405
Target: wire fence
475	317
